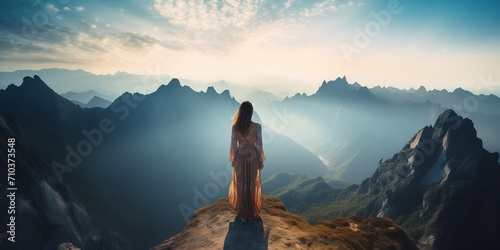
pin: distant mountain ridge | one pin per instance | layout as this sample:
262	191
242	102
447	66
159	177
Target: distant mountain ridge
337	122
63	81
95	102
457	99
340	148
341	89
85	97
78	85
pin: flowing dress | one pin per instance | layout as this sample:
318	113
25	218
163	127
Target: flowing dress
247	155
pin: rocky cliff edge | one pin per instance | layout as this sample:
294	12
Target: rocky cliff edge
216	226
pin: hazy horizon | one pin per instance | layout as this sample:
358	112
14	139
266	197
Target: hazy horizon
278	89
296	44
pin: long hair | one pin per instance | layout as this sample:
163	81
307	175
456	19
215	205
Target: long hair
243	118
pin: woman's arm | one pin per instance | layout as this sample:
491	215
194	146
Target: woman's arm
260	148
232	148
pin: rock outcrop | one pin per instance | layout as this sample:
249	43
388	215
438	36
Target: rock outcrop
441	188
46	214
216	226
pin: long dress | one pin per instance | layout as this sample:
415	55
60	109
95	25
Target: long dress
247	155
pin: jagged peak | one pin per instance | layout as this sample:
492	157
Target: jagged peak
339	83
226	93
461	91
447	117
422	89
171	86
211	90
448	112
175	83
342	81
35	81
31	84
447	150
356	85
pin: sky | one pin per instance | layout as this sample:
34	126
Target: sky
441	44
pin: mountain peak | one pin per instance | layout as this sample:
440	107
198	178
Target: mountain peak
422	89
211	90
446	119
341	89
461	91
174	83
455	135
32	85
216	226
341	81
339	84
447	113
35	82
226	93
448	174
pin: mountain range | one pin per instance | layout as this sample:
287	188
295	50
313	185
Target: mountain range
85	97
337	123
166	152
135	171
94	103
47	215
78	84
63	81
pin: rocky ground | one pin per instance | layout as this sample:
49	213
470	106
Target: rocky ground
216	226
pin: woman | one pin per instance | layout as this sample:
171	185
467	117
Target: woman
247	157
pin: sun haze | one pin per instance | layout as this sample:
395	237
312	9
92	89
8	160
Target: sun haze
401	43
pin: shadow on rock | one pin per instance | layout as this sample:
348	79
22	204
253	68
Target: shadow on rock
246	236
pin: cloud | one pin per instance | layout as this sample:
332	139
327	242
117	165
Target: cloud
218	15
135	41
320	8
209	26
216	26
81	44
52	8
209	15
